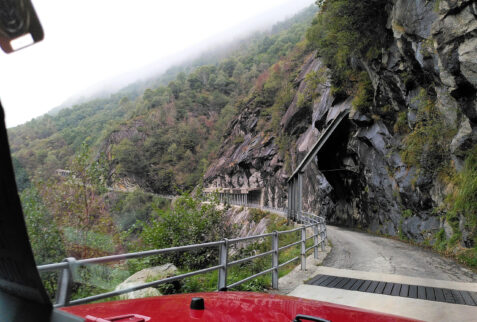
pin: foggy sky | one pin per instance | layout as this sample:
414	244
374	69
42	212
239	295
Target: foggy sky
91	42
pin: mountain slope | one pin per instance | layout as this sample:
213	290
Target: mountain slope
162	140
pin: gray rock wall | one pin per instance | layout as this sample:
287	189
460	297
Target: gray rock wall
359	178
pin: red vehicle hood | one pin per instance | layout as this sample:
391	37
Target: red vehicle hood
227	306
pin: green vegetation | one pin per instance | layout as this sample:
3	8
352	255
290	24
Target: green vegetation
274	92
401	126
463	206
208	282
407	213
363	99
239	140
428	145
256	215
161	137
129	207
45	237
401	234
189	221
347	29
464	200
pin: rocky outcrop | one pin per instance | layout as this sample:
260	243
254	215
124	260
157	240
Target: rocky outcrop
359	178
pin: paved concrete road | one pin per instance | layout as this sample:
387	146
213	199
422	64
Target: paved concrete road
364	252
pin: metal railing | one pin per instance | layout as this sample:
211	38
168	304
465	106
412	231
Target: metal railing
281	211
315	223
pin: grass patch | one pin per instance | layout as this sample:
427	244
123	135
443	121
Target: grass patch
427	147
401	126
256	215
364	94
464	199
238	140
407	213
468	257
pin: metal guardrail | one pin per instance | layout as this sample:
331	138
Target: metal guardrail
281	211
302	217
317	224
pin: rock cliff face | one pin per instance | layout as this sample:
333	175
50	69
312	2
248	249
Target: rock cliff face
359	178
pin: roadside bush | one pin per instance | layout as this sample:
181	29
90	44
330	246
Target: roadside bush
189	221
464	200
256	215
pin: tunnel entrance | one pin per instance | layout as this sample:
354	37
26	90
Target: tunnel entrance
255	196
339	165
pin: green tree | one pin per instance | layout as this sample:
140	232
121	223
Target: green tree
44	235
21	176
77	204
190	221
45	238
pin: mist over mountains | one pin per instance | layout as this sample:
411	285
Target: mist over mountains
215	47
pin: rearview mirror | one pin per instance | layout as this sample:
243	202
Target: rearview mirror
19	25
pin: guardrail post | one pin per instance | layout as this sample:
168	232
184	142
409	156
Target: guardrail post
65	282
303	248
291	198
315	240
223	258
299	196
323	236
324	229
275	260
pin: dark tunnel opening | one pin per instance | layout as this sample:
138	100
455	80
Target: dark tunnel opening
339	165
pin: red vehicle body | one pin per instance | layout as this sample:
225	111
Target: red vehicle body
224	306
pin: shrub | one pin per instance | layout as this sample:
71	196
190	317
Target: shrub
189	221
401	126
302	101
256	215
345	29
364	94
428	145
407	213
464	200
239	140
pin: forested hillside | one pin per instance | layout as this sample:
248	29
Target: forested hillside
90	174
163	140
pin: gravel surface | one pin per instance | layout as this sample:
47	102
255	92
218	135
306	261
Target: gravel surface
363	252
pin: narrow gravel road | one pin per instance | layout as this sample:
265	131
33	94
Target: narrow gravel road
364	252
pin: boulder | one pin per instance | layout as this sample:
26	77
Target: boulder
141	277
145	292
